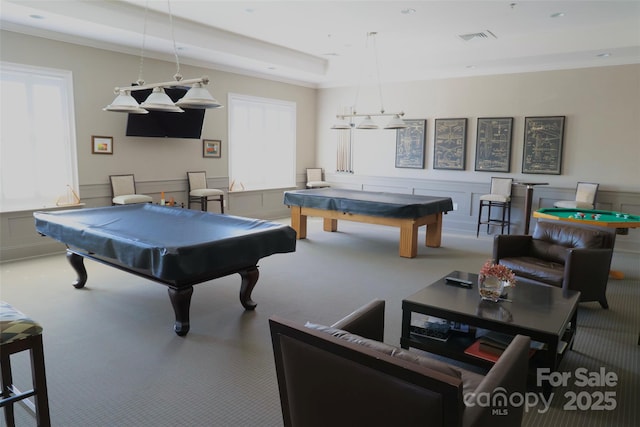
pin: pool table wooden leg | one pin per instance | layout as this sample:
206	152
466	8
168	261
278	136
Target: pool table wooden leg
77	262
408	239
434	232
181	301
298	222
330	224
249	280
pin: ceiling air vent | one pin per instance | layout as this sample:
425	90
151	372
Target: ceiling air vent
486	34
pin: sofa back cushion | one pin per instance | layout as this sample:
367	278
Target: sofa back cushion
551	241
327	381
390	350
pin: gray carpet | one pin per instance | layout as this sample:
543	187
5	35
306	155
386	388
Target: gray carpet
113	360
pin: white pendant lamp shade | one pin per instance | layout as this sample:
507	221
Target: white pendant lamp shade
158	100
341	124
396	123
198	97
367	123
125	103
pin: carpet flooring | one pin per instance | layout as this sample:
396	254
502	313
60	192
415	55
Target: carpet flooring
112	358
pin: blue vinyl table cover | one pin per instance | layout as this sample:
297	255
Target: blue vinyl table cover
168	242
389	205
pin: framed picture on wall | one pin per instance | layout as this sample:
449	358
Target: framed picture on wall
410	144
493	144
449	144
101	144
211	148
543	140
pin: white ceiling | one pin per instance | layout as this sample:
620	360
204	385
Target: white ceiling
322	43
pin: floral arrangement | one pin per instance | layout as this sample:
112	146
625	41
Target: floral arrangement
500	271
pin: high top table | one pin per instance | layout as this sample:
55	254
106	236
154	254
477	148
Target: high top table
528	200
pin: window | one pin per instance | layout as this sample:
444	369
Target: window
262	143
38	143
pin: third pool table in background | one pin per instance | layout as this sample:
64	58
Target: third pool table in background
621	221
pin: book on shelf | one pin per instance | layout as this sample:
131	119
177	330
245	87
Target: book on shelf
500	340
474	350
489	350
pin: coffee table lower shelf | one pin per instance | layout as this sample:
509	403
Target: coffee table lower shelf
454	348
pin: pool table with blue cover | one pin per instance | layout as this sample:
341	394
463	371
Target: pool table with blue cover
176	247
406	211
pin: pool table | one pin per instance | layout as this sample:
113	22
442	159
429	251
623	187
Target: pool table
622	222
172	246
406	211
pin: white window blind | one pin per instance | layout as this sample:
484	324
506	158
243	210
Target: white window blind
38	143
262	143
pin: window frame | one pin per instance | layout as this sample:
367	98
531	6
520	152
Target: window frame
279	104
65	79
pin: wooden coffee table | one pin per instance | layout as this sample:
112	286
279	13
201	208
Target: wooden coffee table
544	313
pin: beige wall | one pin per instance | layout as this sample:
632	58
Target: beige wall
602	130
96	72
602	137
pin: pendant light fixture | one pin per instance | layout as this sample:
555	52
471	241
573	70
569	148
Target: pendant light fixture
396	121
197	97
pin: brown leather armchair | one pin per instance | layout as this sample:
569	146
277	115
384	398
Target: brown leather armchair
344	376
563	255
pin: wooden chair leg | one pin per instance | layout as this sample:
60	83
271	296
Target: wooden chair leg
40	382
489	217
7	383
479	219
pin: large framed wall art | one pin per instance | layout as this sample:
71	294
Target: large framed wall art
410	144
493	144
543	139
449	144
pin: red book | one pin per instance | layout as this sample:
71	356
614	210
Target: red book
475	350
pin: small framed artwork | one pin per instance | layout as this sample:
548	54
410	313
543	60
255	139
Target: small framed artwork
410	145
450	144
543	140
211	148
493	144
101	144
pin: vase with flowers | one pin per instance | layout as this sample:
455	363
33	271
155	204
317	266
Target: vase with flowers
492	280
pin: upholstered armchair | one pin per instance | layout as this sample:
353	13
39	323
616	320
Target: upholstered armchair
563	255
123	191
314	178
199	193
343	375
586	193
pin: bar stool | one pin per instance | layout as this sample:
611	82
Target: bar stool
499	197
19	333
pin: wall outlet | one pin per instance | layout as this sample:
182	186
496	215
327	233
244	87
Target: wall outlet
455	206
